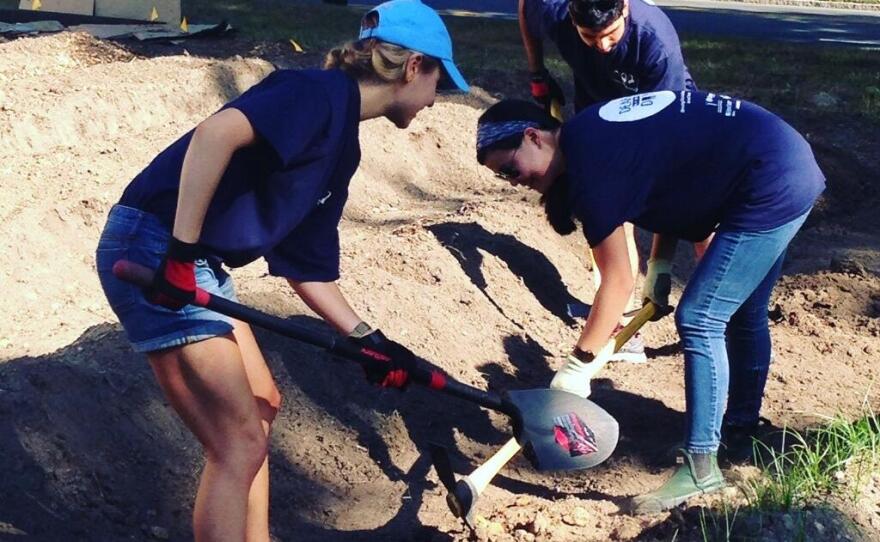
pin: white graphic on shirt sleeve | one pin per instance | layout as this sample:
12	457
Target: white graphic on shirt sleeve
650	2
684	100
724	105
627	80
323	200
636	107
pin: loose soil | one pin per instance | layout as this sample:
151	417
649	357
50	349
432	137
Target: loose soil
437	252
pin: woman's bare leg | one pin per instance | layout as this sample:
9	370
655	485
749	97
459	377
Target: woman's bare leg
268	402
208	386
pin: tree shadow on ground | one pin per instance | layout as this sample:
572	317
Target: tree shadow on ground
92	451
89	445
465	240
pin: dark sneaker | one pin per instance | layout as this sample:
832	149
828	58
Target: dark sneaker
742	444
698	475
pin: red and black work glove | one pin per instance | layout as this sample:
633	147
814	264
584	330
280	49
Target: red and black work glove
545	89
174	284
393	361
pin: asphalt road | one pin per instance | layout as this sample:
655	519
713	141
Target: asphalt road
729	19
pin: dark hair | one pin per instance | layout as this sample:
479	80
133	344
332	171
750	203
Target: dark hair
595	15
557	207
508	110
555	201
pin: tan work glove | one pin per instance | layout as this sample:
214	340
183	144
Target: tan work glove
658	284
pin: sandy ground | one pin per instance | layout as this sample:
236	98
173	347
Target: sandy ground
437	253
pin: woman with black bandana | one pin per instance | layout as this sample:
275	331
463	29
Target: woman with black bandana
681	165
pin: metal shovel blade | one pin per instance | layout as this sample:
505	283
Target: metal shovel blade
560	431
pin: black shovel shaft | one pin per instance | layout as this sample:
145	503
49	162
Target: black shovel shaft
427	375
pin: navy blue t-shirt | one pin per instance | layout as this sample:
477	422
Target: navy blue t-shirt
647	58
685	164
281	198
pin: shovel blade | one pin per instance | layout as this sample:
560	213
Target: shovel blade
560	431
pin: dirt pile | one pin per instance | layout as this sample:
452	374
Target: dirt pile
77	120
435	251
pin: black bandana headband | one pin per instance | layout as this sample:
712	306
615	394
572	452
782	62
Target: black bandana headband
489	133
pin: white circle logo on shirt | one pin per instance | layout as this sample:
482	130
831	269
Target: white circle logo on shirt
637	106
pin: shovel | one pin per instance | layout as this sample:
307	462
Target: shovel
578	445
533	413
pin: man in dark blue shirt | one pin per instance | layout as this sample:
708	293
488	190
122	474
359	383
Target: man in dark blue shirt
615	48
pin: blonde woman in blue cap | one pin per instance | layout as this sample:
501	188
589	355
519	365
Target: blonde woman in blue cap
265	177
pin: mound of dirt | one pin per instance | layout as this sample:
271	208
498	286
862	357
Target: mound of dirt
436	252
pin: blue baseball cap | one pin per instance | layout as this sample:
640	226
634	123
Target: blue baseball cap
412	24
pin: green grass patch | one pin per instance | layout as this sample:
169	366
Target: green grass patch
815	463
810	524
314	26
791	499
785	76
788	502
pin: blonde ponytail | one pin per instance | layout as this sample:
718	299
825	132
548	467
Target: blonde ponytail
374	60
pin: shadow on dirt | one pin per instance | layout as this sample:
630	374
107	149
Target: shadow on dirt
339	388
226	82
465	240
648	428
86	425
81	427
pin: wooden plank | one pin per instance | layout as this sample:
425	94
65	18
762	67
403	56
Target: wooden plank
168	10
67	19
77	7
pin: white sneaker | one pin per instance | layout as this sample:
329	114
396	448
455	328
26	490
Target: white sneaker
633	351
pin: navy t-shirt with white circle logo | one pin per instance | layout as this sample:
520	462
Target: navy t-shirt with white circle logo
647	58
686	164
281	198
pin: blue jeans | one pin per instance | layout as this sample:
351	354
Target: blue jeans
140	237
722	322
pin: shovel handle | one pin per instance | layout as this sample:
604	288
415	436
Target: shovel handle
426	375
556	109
646	313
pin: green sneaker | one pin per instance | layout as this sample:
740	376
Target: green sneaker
683	485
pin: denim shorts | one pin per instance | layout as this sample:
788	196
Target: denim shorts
141	237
